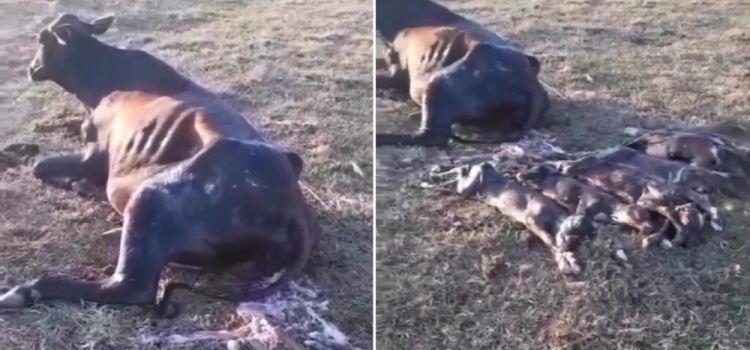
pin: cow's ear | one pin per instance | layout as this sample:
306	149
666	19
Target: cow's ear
296	161
535	65
101	24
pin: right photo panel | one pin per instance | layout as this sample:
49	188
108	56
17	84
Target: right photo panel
562	174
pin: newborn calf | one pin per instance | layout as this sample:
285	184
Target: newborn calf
593	202
547	220
700	149
697	149
694	180
633	186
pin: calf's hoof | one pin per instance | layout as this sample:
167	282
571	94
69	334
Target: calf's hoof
568	264
620	254
717	222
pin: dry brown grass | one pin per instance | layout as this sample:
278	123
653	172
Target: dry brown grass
301	72
619	63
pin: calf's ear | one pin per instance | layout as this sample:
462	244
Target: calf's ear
101	24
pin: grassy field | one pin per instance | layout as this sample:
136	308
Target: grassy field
454	274
299	70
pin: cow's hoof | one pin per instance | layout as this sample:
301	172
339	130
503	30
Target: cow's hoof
19	297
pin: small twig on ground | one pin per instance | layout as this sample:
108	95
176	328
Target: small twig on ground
357	169
325	205
312	193
550	88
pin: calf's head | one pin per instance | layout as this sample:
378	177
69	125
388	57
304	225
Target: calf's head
572	230
471	179
536	176
62	48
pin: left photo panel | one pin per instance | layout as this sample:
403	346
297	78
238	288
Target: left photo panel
186	175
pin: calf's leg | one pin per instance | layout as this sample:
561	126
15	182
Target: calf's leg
566	260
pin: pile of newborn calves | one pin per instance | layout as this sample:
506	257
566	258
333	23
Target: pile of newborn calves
663	185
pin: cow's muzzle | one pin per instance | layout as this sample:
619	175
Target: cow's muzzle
36	73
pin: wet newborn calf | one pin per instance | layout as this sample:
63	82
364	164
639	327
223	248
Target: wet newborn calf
700	149
693	180
696	149
547	220
594	203
636	187
692	183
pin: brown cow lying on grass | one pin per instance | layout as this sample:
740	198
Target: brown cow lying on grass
196	183
666	198
459	72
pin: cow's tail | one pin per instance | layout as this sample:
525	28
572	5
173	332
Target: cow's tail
303	234
539	105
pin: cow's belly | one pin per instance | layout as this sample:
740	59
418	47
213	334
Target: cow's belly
121	185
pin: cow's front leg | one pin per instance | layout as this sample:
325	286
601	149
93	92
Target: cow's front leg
439	105
91	165
143	255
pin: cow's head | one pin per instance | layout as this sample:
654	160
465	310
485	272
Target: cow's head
60	47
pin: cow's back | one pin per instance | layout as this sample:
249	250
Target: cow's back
144	134
395	16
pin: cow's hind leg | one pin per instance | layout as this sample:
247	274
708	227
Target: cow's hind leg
147	235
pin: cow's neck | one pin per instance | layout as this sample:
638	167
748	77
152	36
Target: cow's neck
105	69
394	16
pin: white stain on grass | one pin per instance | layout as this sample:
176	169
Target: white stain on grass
296	315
